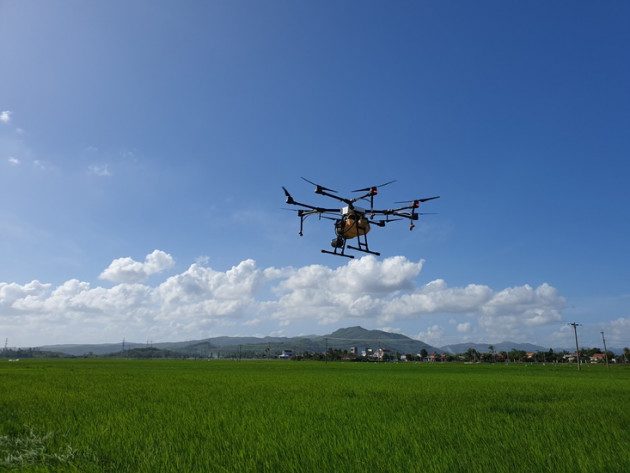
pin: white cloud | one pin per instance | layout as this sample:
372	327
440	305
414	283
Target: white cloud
99	170
618	332
189	304
359	289
42	165
434	334
13	293
126	270
464	327
5	116
201	291
436	297
13	161
516	311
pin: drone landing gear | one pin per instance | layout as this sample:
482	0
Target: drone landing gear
364	250
341	243
337	243
363	246
338	254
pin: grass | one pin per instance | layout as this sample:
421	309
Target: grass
163	416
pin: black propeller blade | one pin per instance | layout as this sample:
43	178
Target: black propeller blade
373	188
289	198
319	188
417	200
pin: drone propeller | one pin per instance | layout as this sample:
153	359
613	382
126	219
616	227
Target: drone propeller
319	188
371	192
416	201
289	198
373	189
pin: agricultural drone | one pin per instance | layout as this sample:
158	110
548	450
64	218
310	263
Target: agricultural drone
353	221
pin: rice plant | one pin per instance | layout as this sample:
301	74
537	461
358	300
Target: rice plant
269	416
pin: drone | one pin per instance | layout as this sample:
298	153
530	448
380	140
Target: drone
352	221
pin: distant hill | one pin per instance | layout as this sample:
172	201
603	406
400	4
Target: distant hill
146	352
342	339
363	338
498	347
30	353
94	349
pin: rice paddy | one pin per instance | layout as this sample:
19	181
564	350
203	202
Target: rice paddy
284	416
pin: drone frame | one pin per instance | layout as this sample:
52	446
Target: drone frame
353	222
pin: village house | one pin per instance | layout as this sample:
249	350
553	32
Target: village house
598	358
286	354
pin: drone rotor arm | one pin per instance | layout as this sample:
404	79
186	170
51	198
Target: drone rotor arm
386	211
365	196
336	197
291	201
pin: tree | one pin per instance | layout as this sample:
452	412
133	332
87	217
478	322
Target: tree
411	357
471	354
626	355
516	355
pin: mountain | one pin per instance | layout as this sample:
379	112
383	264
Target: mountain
342	339
81	350
498	347
363	338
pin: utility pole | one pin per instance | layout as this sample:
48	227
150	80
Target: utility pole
577	349
326	359
605	351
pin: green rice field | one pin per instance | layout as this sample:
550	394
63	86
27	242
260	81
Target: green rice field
283	416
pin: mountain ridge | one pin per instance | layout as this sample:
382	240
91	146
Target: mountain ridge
342	338
497	347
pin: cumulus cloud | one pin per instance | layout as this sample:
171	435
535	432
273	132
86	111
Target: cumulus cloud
12	294
127	270
515	310
437	297
13	161
433	334
5	116
359	289
200	291
186	305
385	291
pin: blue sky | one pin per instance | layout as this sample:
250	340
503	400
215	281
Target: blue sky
143	146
